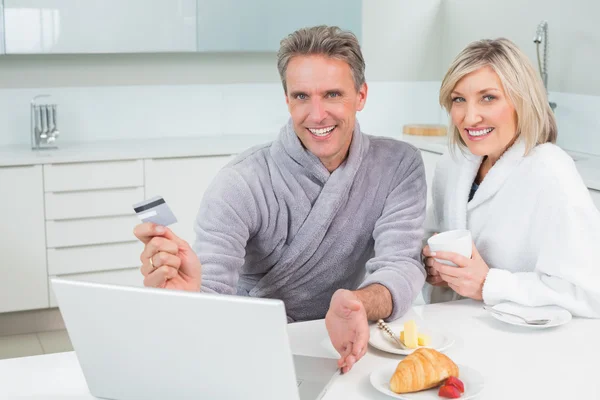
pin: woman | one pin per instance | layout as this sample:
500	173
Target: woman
533	222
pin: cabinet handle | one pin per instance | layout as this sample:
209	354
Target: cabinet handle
18	166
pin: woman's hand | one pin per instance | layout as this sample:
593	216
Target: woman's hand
468	278
433	277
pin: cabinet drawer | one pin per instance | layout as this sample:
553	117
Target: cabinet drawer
98	175
80	232
96	203
123	277
73	260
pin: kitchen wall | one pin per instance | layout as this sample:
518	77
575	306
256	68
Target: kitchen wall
392	30
574	40
112	96
407	46
402	39
162	111
574	53
88	70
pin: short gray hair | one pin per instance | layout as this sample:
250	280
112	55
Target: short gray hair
330	41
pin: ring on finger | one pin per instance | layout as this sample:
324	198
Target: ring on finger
151	263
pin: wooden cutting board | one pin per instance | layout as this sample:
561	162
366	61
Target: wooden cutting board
425	130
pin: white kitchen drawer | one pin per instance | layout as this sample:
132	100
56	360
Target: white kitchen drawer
123	277
97	175
73	260
80	232
95	203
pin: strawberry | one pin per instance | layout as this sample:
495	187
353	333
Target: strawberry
449	392
457	383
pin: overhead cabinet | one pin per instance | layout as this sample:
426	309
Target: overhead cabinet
259	25
159	26
107	26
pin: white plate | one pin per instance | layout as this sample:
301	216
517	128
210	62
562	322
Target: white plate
556	315
380	340
473	380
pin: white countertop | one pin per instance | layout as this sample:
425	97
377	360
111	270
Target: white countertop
158	148
131	149
588	165
517	363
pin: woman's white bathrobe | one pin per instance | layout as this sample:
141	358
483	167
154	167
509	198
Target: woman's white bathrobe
533	222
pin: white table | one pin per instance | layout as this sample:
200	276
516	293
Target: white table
518	363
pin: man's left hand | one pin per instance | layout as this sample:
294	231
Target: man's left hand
468	278
348	327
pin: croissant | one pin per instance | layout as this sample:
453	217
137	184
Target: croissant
423	369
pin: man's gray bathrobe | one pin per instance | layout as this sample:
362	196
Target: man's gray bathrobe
275	223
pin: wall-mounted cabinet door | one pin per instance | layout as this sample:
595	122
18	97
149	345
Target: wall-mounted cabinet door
259	25
107	26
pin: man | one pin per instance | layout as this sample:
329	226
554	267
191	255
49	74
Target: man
325	218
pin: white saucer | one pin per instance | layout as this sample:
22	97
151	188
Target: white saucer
380	340
473	380
556	315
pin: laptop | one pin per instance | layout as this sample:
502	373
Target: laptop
146	343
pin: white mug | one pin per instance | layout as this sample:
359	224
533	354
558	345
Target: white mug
457	241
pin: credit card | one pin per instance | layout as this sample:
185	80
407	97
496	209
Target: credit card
155	210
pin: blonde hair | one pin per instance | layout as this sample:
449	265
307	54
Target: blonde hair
535	120
330	41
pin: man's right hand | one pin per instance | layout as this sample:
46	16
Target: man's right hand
167	260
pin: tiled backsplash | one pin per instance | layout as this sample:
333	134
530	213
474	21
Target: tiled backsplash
128	112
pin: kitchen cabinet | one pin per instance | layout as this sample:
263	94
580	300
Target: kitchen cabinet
94	258
89	231
259	25
108	26
150	26
22	240
75	220
90	220
182	183
93	175
92	203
